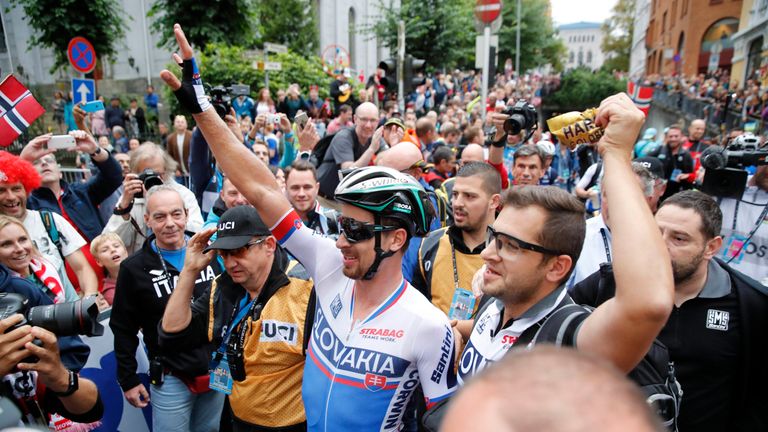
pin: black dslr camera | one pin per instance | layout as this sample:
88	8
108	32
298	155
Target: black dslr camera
221	97
149	178
522	116
63	319
725	175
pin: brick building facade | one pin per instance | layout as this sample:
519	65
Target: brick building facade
691	36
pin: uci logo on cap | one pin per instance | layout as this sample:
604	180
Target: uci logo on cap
227	225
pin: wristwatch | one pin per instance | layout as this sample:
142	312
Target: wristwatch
97	152
74	384
122	211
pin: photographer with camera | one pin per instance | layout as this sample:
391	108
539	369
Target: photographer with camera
51	387
150	166
24	318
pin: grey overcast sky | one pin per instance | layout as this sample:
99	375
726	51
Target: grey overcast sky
570	11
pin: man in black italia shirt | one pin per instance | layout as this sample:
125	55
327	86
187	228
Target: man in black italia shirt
717	330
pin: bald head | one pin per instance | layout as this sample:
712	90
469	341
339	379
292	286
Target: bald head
472	153
366	109
696	129
551	389
400	157
366	120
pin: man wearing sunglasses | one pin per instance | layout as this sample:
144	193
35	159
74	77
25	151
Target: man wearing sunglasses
534	243
375	338
254	315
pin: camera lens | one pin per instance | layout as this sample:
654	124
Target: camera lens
151	181
514	124
68	319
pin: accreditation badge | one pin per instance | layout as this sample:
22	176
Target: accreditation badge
220	378
733	247
462	305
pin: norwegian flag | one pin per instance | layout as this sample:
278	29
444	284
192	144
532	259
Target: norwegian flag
640	95
18	109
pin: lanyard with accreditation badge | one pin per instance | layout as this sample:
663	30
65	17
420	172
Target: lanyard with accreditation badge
220	376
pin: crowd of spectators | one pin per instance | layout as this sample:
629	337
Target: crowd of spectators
136	231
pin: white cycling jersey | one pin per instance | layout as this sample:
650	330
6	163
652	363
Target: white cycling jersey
491	339
360	375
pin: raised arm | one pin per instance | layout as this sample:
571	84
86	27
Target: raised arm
178	314
251	177
623	328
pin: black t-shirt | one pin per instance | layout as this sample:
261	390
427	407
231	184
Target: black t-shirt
703	337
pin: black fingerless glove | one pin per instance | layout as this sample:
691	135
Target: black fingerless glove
191	94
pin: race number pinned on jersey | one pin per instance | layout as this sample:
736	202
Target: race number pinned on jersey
221	378
733	246
462	305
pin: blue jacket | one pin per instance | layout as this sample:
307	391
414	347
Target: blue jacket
81	200
73	352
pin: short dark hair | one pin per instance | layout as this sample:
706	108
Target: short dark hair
301	165
491	177
442	153
528	150
344	108
472	132
704	205
424	126
564	228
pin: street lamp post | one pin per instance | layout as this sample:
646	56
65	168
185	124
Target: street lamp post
517	42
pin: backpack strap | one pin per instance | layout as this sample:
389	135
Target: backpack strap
427	253
51	229
556	326
309	321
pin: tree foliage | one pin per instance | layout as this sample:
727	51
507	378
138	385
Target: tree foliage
538	44
290	22
617	36
581	88
221	21
56	22
439	31
227	65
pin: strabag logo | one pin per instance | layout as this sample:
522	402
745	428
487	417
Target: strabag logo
381	334
717	320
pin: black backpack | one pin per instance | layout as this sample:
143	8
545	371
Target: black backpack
655	374
321	148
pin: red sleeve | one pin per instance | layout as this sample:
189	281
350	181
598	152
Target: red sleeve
503	173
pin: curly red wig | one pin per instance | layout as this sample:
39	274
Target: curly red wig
13	169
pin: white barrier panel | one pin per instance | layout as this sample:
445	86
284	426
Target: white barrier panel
101	368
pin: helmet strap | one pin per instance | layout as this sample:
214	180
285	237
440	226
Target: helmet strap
380	254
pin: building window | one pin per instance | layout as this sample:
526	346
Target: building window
712	2
581	57
684	11
674	13
351	31
570	57
664	22
589	57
